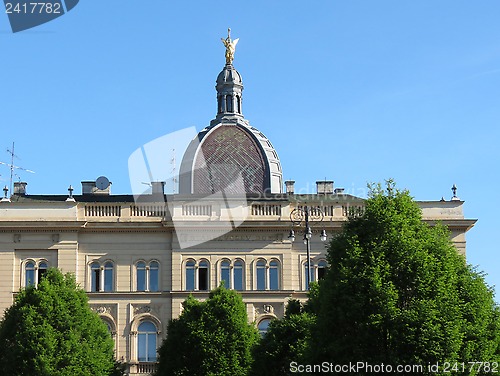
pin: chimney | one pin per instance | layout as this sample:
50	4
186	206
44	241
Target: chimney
324	187
289	184
20	188
158	187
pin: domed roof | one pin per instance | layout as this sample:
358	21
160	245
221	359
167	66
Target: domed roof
230	156
229	76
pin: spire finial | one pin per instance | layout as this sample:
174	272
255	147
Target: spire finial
230	46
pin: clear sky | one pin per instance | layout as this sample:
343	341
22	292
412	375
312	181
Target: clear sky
352	91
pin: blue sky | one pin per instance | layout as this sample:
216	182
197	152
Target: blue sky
352	91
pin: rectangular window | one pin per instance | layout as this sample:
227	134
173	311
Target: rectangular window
96	281
141	279
30	277
151	348
153	280
261	278
190	279
273	278
142	347
225	277
203	278
238	278
108	279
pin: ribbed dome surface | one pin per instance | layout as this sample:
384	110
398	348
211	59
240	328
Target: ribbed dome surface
229	76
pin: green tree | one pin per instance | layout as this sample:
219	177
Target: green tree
397	292
210	338
286	340
51	331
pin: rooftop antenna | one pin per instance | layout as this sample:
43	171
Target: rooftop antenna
13	167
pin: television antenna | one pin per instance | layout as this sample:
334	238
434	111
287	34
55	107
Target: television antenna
13	167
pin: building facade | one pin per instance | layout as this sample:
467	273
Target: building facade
139	258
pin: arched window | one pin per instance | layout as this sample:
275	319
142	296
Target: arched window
274	275
146	342
29	273
141	276
263	326
238	104
203	276
95	277
229	103
261	275
101	277
238	275
154	277
108	276
225	273
190	269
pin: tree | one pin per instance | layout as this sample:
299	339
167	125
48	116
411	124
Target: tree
209	338
397	292
51	331
286	340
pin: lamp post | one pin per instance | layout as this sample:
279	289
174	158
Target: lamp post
307	215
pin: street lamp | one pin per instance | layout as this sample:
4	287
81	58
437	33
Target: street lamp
307	215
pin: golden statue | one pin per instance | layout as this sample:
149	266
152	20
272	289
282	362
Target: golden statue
230	47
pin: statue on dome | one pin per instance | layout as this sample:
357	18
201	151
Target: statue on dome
230	47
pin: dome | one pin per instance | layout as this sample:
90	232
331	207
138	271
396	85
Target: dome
228	76
230	155
233	157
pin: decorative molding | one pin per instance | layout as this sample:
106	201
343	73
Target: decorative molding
152	309
104	309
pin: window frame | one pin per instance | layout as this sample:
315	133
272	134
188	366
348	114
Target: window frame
105	276
193	275
270	272
36	270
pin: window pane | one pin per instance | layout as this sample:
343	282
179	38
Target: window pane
321	269
261	275
141	276
29	274
238	275
190	275
153	276
94	275
42	269
108	276
312	276
203	277
152	347
142	347
225	274
263	326
273	276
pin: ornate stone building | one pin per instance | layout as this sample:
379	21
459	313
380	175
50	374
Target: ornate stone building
140	257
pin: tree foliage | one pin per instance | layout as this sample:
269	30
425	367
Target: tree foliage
51	331
397	292
286	340
209	338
